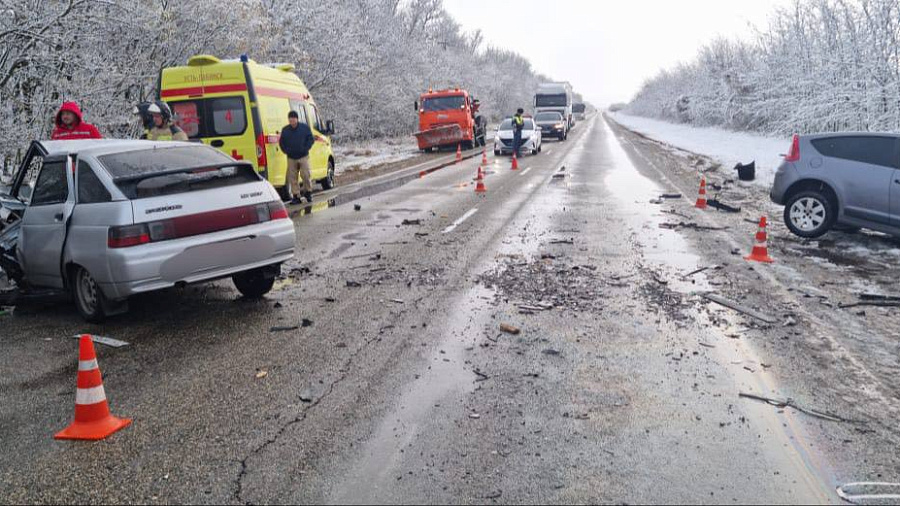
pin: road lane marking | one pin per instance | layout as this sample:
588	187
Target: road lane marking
525	171
460	221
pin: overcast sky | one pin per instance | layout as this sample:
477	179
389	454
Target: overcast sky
606	49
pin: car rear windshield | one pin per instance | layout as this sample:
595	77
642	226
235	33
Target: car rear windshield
211	117
157	172
507	124
548	116
443	103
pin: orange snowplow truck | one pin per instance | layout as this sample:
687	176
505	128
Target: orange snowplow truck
449	118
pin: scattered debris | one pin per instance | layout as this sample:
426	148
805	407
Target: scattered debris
306	323
693	226
721	206
261	374
284	329
330	299
789	403
353	284
373	256
412	222
876	297
474	416
481	376
398	301
707	345
876	303
563	241
559	176
115	343
357	207
790	322
870	492
656	201
698	271
670	196
738	307
509	329
551	352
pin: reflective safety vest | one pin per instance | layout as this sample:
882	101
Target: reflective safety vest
519	122
170	133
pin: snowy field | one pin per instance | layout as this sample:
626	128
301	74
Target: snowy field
726	147
364	155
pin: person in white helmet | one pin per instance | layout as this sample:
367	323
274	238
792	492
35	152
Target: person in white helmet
161	127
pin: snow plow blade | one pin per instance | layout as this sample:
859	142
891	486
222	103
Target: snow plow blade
447	135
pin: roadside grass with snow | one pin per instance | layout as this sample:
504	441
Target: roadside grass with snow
364	155
726	147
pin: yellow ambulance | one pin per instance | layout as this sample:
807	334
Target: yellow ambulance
240	107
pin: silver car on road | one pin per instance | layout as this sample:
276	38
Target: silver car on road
849	179
108	219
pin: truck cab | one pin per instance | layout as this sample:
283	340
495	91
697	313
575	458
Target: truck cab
556	97
449	118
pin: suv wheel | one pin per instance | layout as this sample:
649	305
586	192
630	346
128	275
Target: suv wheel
253	284
810	214
328	182
89	298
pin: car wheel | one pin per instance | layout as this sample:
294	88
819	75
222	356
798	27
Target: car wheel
253	284
810	214
89	298
328	182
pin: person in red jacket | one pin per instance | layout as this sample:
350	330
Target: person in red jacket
70	126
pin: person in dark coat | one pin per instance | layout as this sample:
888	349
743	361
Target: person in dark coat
518	123
296	141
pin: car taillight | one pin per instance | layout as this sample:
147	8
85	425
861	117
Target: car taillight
128	236
794	154
261	159
196	224
277	211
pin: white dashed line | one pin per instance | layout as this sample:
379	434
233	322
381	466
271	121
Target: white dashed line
525	171
460	221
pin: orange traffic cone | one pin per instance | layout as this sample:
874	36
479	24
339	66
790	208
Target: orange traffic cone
458	153
484	157
480	176
701	200
480	188
92	418
515	162
760	251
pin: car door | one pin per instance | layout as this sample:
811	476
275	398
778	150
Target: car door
43	232
318	156
862	169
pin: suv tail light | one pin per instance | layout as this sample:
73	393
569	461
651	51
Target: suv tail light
794	154
195	224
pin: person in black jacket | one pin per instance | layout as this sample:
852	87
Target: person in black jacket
296	141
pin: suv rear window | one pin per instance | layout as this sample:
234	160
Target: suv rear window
157	172
884	151
211	117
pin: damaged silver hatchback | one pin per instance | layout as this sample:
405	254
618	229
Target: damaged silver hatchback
102	220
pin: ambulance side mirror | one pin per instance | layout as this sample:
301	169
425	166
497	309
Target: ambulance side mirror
329	127
416	105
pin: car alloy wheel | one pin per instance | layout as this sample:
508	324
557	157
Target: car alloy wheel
808	214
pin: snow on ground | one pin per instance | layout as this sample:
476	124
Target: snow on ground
364	155
727	147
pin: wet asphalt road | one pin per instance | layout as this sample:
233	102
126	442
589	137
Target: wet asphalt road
402	388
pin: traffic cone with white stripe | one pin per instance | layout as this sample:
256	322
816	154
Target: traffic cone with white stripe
458	153
760	251
484	156
480	187
92	418
515	162
701	199
480	176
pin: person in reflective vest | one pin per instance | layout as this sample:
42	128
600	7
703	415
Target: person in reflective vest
163	129
518	125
